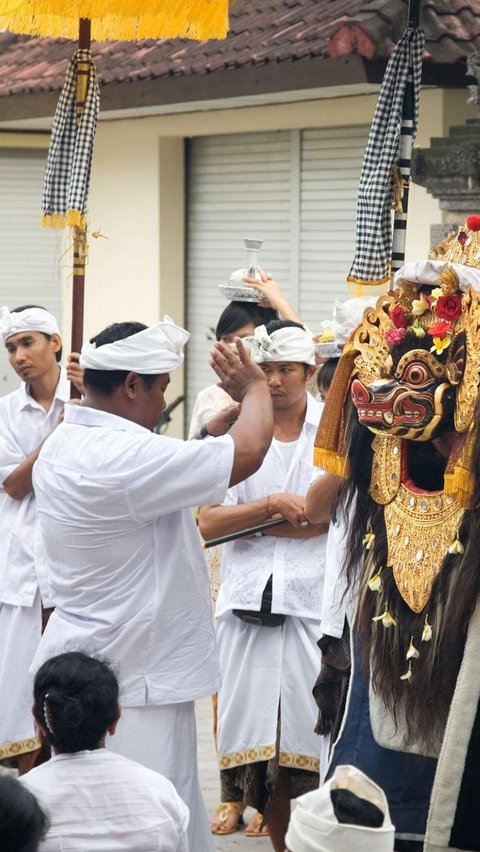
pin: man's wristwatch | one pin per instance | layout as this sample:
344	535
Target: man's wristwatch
204	433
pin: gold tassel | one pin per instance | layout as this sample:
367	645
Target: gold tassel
123	20
329	441
330	461
359	287
459	484
70	219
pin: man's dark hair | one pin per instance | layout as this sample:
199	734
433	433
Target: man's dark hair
277	324
75	699
106	381
58	355
23	824
238	314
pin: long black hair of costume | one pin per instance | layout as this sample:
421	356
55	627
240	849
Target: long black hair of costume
425	698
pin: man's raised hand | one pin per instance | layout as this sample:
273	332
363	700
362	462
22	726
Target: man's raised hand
235	368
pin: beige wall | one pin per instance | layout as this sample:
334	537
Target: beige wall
138	188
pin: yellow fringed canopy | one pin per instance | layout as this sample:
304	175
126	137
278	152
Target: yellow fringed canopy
123	20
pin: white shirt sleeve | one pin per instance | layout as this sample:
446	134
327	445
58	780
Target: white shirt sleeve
172	475
10	453
209	402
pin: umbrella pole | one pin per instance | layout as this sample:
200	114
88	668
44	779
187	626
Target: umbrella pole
80	233
405	157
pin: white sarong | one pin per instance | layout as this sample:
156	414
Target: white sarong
164	738
264	669
20	631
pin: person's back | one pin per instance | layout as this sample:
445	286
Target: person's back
97	800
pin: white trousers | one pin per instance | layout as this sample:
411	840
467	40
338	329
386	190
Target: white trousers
164	738
264	668
20	632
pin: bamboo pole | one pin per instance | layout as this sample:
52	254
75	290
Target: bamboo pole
80	233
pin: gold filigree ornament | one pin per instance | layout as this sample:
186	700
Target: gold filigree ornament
369	340
386	468
467	392
420	529
420	526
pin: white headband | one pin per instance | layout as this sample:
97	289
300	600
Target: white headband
314	827
286	344
155	350
31	319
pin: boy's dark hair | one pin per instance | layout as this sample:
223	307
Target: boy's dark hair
326	373
238	314
75	700
23	824
277	324
106	381
58	355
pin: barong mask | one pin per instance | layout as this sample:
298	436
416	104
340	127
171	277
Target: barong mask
410	375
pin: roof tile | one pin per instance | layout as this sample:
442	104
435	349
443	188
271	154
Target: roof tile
261	31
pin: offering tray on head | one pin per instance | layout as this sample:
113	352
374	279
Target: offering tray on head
236	290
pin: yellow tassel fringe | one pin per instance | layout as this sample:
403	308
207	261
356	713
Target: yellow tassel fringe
358	287
330	461
459	484
70	219
123	20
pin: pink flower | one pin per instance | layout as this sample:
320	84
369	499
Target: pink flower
394	336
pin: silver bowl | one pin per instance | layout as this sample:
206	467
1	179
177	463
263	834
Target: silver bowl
237	293
327	350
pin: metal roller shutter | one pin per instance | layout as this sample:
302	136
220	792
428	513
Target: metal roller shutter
296	190
28	253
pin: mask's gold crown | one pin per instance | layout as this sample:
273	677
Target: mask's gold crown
462	246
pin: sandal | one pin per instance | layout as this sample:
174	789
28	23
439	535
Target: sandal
223	812
257	821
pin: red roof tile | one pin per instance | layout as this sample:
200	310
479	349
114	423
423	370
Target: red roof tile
261	32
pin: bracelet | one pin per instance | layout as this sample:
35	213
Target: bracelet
267	506
204	433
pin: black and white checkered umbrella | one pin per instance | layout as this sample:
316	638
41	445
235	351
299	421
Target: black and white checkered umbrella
386	155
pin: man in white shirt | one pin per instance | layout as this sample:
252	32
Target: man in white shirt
27	416
266	712
125	565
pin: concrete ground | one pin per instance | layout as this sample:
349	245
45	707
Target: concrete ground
210	784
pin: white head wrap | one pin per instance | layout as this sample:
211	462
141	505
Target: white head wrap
429	271
155	350
315	828
286	344
31	319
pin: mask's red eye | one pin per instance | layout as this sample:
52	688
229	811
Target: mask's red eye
416	374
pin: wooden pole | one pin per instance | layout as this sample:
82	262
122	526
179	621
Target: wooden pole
404	160
80	234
